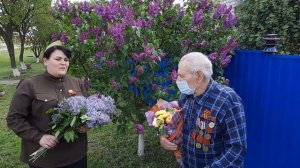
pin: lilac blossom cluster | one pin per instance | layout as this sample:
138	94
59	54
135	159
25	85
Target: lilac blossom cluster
222	11
99	110
73	105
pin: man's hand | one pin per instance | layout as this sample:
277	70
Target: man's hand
48	141
165	143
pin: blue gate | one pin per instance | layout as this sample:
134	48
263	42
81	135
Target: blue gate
269	85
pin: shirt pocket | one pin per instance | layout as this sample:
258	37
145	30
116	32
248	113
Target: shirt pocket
44	102
46	98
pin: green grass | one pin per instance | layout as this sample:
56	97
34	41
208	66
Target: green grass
106	148
5	68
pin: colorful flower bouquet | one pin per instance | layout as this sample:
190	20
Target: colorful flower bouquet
166	116
76	111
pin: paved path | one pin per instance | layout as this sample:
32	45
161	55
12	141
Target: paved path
9	82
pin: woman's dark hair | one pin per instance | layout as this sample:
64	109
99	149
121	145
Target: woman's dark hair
50	50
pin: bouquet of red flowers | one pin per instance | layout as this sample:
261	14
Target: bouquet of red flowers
166	116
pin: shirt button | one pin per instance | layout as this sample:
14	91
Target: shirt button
46	100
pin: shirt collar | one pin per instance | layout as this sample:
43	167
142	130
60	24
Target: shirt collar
53	78
201	98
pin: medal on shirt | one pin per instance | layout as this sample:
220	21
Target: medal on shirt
201	136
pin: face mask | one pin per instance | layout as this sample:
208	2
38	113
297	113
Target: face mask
184	87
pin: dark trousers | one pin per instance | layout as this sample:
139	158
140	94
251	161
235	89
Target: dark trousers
80	164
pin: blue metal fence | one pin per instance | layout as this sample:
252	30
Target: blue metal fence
269	85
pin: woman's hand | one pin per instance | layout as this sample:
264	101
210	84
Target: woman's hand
48	141
82	129
165	143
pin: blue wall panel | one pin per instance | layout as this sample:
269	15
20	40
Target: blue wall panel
269	85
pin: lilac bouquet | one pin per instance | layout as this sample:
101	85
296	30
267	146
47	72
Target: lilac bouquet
76	111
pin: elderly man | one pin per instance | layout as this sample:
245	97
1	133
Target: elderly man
214	127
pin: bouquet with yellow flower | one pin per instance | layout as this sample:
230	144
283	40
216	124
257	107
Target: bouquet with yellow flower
166	116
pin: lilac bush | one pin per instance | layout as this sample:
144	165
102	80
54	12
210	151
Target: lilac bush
130	49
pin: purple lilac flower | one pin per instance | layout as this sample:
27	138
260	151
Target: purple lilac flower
205	43
147	50
133	79
203	4
181	12
73	105
97	119
85	6
228	10
197	44
229	21
110	64
99	108
232	43
116	31
64	37
86	83
108	12
115	84
138	23
99	54
128	15
154	58
167	3
147	23
140	71
54	36
139	129
153	8
154	87
226	61
83	37
198	17
101	103
138	57
63	6
76	21
174	75
213	56
220	10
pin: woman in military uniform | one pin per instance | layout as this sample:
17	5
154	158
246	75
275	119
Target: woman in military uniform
28	119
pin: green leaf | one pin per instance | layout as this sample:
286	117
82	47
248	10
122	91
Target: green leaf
54	126
84	118
73	121
57	133
69	136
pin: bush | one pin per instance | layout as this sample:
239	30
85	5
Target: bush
130	49
257	18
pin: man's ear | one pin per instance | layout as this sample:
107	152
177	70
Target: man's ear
200	75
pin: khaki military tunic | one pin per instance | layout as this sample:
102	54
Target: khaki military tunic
28	119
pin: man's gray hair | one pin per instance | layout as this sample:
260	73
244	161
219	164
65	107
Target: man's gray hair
197	61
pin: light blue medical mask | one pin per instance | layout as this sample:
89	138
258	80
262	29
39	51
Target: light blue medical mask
184	87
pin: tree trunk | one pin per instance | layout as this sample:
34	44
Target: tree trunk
21	56
141	145
8	39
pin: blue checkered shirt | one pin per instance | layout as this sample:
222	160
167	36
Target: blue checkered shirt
227	145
